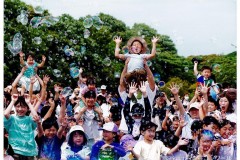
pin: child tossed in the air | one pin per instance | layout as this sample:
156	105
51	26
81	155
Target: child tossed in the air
137	48
30	71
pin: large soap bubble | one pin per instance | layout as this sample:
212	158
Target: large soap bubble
86	33
88	22
56	72
74	72
66	91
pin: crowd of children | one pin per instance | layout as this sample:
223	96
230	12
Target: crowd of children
138	122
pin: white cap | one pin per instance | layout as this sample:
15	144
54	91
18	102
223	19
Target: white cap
75	128
110	126
194	105
103	87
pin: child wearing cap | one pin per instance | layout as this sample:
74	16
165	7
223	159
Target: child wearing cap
138	114
76	147
137	47
108	148
151	149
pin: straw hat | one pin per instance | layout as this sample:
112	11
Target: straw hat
141	40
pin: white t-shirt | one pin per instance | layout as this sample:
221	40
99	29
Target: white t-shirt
150	151
186	131
135	62
105	109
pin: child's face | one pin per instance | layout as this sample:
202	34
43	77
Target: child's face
84	80
224	103
211	107
30	60
225	131
21	110
206	73
205	143
211	127
90	101
108	135
78	139
136	47
175	124
51	132
149	134
91	87
194	113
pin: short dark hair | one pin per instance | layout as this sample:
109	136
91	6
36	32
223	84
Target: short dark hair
210	99
91	80
90	94
147	125
48	123
21	101
30	54
206	67
224	122
210	119
70	141
196	125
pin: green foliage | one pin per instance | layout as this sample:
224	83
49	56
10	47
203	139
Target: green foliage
99	45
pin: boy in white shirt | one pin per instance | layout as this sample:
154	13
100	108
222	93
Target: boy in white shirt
150	149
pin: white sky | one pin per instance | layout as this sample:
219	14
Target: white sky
195	26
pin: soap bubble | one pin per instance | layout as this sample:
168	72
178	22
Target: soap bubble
186	69
23	17
18	36
10	48
117	75
83	49
37	40
107	61
66	91
216	67
97	23
72	65
35	21
49	38
161	83
86	33
88	22
156	77
38	10
125	49
56	72
74	72
149	63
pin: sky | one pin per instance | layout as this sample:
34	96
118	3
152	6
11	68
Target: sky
197	27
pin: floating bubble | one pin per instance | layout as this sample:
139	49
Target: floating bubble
35	21
83	49
95	55
86	33
66	91
49	38
23	17
216	67
49	20
125	49
156	77
186	69
18	36
69	52
107	61
10	48
37	40
17	44
161	83
56	72
88	22
38	10
116	74
74	72
73	65
149	63
97	23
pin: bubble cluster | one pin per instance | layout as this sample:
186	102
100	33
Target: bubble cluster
37	40
23	17
56	73
15	46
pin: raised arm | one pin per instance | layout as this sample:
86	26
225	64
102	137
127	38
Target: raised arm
118	41
15	82
27	100
153	52
148	110
21	55
63	108
150	77
195	70
175	90
122	86
43	62
62	127
9	108
51	109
